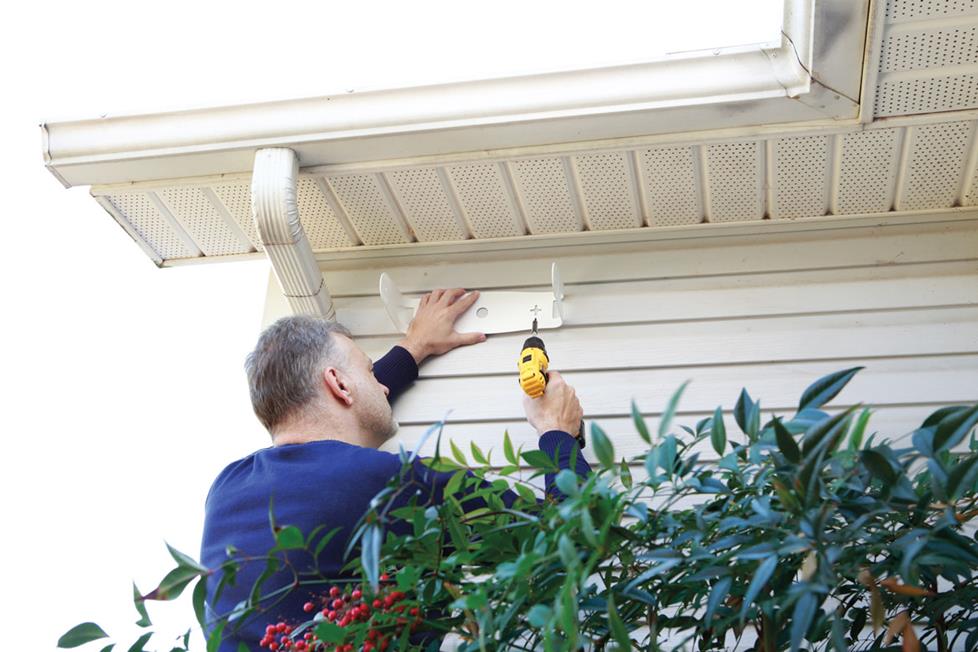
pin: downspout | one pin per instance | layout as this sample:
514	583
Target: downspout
276	214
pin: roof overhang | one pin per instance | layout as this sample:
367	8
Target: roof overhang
809	76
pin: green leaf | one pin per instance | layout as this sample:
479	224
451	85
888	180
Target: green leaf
199	596
667	455
81	634
616	626
540	460
326	538
508	452
370	554
327	631
801	618
111	646
786	443
214	640
666	421
625	473
858	430
938	415
718	432
525	493
587	527
185	561
566	481
173	584
826	431
717	595
603	448
457	454
742	410
640	425
477	454
764	572
539	615
137	600
140	642
567	551
289	538
825	388
962	477
879	466
953	428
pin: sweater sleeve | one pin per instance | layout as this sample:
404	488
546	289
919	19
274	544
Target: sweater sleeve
396	370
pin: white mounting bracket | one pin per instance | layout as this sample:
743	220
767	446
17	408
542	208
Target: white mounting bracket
493	312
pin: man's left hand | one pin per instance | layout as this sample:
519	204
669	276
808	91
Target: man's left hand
432	331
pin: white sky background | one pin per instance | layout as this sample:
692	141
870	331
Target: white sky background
123	390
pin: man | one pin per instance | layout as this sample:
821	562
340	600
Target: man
327	409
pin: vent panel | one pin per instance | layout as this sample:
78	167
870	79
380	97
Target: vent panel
930	49
900	10
801	168
608	198
151	226
236	198
670	181
926	95
322	226
483	196
204	224
368	209
937	157
426	204
734	173
543	188
867	170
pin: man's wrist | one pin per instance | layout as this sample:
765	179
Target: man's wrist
417	350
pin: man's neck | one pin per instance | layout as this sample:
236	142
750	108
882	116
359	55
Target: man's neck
305	432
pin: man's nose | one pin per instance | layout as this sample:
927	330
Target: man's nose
387	391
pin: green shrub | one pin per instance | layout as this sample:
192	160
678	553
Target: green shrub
809	533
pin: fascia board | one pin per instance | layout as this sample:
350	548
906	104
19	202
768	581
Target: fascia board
742	87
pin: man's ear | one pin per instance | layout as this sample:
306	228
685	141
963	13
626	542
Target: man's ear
337	385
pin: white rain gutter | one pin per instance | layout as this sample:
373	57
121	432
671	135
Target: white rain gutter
731	87
276	213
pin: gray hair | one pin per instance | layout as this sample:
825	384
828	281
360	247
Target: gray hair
283	369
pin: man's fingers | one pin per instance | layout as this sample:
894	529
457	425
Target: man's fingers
465	339
437	294
424	300
463	304
449	297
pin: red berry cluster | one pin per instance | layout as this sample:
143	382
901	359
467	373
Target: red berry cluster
383	615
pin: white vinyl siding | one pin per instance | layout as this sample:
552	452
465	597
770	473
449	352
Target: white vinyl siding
771	313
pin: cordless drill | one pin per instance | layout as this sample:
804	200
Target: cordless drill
533	365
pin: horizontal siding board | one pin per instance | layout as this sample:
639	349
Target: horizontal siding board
895	381
839	248
894	423
813	291
776	339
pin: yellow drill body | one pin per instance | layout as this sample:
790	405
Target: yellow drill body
533	365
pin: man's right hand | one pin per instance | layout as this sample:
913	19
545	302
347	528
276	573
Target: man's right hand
557	409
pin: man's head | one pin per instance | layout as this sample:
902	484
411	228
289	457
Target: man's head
307	374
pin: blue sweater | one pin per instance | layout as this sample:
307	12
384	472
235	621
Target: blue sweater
326	483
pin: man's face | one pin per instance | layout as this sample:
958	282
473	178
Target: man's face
369	395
